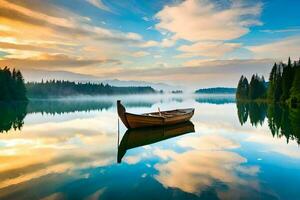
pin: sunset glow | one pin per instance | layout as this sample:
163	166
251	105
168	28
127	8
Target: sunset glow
147	40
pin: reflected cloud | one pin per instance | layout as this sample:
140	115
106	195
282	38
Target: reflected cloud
56	148
205	164
208	142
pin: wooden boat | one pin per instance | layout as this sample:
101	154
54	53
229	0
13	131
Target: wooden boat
162	118
144	136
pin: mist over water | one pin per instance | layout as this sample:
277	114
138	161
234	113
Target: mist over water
68	149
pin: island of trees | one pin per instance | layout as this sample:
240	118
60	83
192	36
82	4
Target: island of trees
283	85
176	91
217	90
12	86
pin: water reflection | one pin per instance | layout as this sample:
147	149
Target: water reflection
61	106
282	120
67	106
143	136
216	99
256	112
209	169
12	116
72	155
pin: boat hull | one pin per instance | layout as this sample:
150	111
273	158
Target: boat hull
154	119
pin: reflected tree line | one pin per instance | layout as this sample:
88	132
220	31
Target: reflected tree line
60	107
13	113
283	121
12	116
217	100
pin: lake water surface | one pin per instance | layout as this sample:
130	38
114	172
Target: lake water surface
69	149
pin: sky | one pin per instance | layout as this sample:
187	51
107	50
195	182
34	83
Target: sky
203	43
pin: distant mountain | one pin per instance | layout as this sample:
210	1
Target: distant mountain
216	90
38	75
156	86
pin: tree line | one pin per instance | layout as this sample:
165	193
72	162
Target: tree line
283	85
58	88
12	86
256	89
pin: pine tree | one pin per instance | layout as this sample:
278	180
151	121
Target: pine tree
295	90
278	84
12	85
287	81
283	86
242	89
262	87
245	87
20	86
253	87
271	87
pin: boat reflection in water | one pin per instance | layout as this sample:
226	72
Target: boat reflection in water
143	136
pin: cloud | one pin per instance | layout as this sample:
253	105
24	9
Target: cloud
30	47
25	24
98	4
146	19
38	75
149	43
201	73
45	7
280	49
162	64
286	30
29	31
208	49
53	61
149	28
140	54
166	42
196	20
50	37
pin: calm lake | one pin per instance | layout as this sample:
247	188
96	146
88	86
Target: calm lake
68	149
